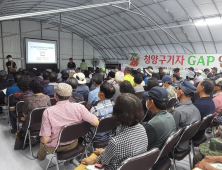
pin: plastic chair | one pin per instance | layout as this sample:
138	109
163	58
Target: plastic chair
53	101
19	107
139	95
68	133
34	126
171	103
141	162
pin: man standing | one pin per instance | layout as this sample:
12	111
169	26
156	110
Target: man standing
214	71
11	66
128	77
208	73
199	76
71	64
83	65
185	113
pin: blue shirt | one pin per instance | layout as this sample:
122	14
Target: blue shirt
49	89
11	90
93	96
82	89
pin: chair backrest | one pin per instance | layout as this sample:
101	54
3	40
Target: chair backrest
206	122
139	95
73	131
95	104
36	115
171	102
195	97
189	132
19	107
10	100
170	143
2	95
107	124
85	97
141	162
53	101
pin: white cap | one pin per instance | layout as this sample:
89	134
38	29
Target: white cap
191	74
199	71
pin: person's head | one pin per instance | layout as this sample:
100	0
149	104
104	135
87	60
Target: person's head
152	82
46	75
191	69
127	71
91	70
63	92
86	73
65	76
38	73
207	71
191	75
16	77
138	78
157	99
25	72
214	70
83	60
185	91
106	91
166	81
160	69
176	77
156	75
80	78
139	70
97	79
199	72
23	83
161	75
37	85
149	71
70	60
72	82
205	87
119	76
218	85
9	57
77	70
53	77
176	70
56	70
126	87
134	73
128	110
3	74
111	75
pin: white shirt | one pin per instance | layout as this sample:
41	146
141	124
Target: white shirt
192	82
199	78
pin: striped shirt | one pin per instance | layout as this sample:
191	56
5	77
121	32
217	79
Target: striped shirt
129	142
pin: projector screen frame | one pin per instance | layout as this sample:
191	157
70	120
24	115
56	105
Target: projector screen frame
26	54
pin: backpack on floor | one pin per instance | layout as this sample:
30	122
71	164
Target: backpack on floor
19	140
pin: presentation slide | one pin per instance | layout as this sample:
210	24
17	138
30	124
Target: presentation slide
41	51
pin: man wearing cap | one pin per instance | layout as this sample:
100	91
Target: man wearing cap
128	77
177	71
167	84
199	76
148	73
3	82
191	75
160	127
82	87
71	64
49	89
56	117
185	113
208	73
214	71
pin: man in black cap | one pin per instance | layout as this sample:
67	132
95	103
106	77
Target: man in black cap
208	73
71	64
177	71
185	113
214	71
160	127
3	83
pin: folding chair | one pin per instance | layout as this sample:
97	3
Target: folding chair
105	124
3	105
187	134
141	162
167	148
35	121
203	126
68	133
19	107
53	101
139	95
171	103
10	103
85	97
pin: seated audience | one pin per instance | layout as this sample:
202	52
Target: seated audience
191	75
86	73
38	73
12	89
156	75
45	78
91	71
3	82
49	89
176	71
126	87
199	76
76	97
161	126
204	104
103	108
65	76
23	84
68	113
35	101
138	79
82	87
93	95
208	73
25	72
167	84
217	97
128	77
127	143
176	80
185	113
111	77
118	79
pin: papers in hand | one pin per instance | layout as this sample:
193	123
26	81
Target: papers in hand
92	167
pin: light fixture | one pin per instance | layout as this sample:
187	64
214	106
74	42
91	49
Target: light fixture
209	21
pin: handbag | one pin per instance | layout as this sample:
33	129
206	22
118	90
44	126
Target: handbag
19	140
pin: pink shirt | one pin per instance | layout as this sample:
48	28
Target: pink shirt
218	103
63	113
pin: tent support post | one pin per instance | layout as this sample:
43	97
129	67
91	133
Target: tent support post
2	48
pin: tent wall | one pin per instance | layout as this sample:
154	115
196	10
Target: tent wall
14	43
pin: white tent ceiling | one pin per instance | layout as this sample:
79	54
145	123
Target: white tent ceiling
115	32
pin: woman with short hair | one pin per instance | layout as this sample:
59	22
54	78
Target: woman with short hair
130	139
